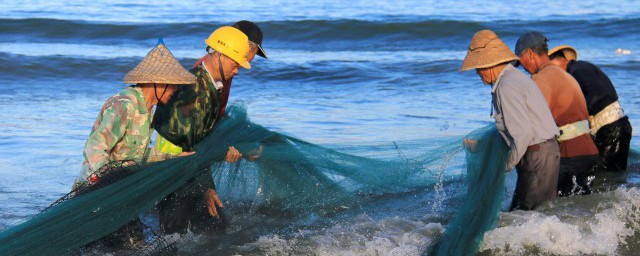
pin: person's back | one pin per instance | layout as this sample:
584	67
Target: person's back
595	85
567	105
521	86
609	126
578	153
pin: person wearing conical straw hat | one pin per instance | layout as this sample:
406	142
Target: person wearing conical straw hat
610	127
522	118
569	108
122	131
193	113
121	134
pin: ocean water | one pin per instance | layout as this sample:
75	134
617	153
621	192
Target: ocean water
339	74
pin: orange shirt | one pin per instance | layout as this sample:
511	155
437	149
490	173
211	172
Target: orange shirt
568	105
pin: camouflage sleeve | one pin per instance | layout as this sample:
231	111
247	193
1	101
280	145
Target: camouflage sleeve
199	114
105	136
174	120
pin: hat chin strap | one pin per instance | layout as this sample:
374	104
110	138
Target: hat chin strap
492	76
155	91
224	79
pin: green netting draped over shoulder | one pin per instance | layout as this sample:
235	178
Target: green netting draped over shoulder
291	175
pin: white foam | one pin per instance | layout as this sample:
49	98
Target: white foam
361	236
621	51
587	225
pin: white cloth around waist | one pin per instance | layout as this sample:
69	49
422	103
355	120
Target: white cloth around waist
572	130
606	116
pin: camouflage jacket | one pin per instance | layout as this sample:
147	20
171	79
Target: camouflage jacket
192	111
121	132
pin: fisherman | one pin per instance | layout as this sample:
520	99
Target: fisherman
567	103
610	127
122	132
522	118
214	73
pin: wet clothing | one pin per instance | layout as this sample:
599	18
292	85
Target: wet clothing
576	175
537	176
567	105
521	113
613	142
613	139
121	132
526	124
185	209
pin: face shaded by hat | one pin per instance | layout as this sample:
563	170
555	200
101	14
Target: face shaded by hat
253	32
569	52
486	50
159	67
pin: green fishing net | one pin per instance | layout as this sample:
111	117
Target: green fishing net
291	176
486	165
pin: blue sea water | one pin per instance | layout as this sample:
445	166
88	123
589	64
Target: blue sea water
339	73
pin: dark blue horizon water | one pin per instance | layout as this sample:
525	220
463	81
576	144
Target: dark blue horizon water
339	73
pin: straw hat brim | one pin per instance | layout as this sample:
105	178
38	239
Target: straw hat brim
569	52
479	62
160	66
486	50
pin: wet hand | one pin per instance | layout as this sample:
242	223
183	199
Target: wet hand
233	155
256	155
470	144
211	199
186	153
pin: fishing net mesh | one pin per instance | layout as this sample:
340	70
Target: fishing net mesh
486	165
291	175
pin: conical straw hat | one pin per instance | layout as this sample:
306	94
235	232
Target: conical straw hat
486	50
159	66
569	52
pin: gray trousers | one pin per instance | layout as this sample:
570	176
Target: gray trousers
537	176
